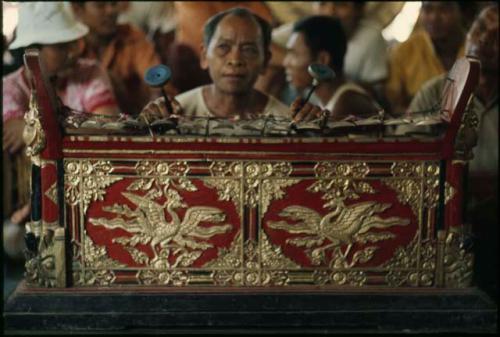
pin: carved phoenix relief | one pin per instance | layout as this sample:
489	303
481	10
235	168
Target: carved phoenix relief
343	225
149	225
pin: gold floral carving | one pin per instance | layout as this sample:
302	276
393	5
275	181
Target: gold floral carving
46	266
86	181
417	182
52	193
340	181
409	192
96	267
260	182
327	170
162	175
457	261
355	278
33	134
163	277
467	137
449	192
404	266
260	266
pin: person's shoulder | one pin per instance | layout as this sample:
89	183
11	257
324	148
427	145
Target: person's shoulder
435	83
429	95
15	82
13	78
189	95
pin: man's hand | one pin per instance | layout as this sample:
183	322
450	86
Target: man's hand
13	135
157	109
306	112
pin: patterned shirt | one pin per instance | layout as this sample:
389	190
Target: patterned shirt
85	89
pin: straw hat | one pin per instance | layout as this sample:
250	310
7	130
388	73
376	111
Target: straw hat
46	23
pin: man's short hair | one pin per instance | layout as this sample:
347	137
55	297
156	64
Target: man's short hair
324	33
213	22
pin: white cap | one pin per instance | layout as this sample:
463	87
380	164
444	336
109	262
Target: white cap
46	23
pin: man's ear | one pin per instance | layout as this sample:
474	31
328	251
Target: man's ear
324	57
203	57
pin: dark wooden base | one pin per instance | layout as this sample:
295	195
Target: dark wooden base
405	310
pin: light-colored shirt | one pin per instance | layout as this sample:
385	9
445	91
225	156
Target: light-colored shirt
411	64
85	89
366	56
485	159
194	105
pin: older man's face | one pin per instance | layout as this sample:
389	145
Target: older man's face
482	39
235	56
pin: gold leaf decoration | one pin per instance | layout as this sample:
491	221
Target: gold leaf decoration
86	181
327	170
271	271
148	224
162	277
52	193
449	192
162	175
33	133
466	137
344	225
420	183
409	192
46	266
458	261
272	256
138	256
96	267
403	266
154	220
339	182
260	182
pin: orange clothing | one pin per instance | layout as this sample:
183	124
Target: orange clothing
192	16
411	64
126	58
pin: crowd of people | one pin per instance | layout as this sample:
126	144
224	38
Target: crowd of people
242	58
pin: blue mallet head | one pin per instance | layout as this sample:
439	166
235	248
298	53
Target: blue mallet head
320	72
158	76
